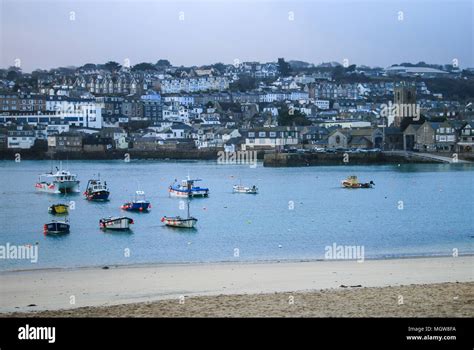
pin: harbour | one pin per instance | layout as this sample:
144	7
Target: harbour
414	210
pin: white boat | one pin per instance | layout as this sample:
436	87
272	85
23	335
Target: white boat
115	223
178	221
187	189
60	182
243	189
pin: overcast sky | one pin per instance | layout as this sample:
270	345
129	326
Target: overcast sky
45	34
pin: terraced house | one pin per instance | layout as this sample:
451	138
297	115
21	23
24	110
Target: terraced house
271	138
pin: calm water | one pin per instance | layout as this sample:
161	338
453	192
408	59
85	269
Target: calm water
437	213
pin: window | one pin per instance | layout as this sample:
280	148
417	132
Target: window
273	134
251	134
262	134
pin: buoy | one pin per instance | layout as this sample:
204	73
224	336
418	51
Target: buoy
279	246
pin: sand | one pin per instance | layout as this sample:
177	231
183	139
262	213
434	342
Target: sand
427	300
429	287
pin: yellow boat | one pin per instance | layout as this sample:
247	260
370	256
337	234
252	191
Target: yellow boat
353	182
58	209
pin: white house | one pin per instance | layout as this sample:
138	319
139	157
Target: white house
21	139
322	104
271	137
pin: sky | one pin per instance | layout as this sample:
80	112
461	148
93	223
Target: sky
53	33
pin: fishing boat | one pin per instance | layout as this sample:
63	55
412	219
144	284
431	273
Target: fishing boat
179	222
244	189
56	228
58	209
115	223
187	189
97	190
60	182
353	182
139	204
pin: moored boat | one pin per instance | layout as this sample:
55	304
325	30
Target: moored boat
187	189
179	222
60	182
97	190
244	189
115	223
58	209
353	182
139	204
56	228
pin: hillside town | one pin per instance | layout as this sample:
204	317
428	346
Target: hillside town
285	106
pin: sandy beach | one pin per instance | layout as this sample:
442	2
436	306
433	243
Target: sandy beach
441	286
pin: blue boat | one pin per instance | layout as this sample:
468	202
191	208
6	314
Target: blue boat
139	204
97	190
187	189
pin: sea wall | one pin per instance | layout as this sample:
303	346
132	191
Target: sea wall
274	159
190	154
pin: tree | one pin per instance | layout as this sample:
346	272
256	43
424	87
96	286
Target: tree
338	72
351	68
283	67
112	66
12	75
220	67
88	66
163	64
245	83
143	67
288	117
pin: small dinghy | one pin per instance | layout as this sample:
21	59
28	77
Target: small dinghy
115	223
58	209
56	228
179	222
139	204
243	189
353	182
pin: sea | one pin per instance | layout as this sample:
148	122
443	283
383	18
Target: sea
414	210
